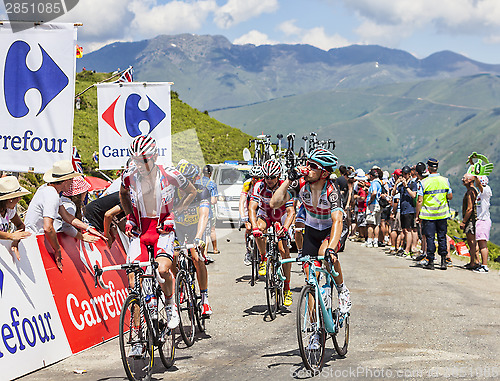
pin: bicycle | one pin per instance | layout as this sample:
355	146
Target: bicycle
251	247
316	318
187	297
143	324
274	273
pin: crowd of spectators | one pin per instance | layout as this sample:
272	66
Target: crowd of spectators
405	211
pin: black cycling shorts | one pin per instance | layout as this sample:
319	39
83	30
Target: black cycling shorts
313	238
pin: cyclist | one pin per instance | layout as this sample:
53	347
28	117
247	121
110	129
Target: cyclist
191	226
324	212
267	215
246	192
146	194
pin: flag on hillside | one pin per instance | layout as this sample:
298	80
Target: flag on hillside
79	51
127	75
95	156
76	161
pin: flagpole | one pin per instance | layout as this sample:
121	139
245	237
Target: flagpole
104	80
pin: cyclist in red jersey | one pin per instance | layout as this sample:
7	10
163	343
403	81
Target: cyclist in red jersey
147	194
266	215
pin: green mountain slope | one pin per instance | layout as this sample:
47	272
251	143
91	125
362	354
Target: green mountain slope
394	125
195	130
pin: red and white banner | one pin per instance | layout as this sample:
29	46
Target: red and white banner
127	110
89	315
32	334
37	90
46	315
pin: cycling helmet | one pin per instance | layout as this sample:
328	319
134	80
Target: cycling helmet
271	168
324	158
256	171
190	171
143	147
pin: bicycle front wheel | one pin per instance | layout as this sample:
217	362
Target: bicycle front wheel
136	341
166	336
341	336
271	290
310	332
255	264
186	307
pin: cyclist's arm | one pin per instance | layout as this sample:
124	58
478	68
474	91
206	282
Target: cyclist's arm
252	213
281	196
125	200
188	198
336	229
243	204
290	217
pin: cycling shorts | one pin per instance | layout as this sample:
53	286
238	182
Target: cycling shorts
313	238
270	220
163	244
301	215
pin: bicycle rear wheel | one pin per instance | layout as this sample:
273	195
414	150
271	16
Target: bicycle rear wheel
166	337
271	290
136	341
186	307
310	333
341	336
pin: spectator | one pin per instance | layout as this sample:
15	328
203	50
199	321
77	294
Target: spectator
373	211
73	200
386	208
100	213
483	222
214	193
46	205
407	190
422	173
360	199
469	217
10	194
433	210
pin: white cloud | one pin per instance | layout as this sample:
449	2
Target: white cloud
384	20
236	11
170	18
314	36
254	37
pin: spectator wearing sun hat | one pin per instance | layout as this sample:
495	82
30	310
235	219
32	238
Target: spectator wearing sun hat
10	194
46	205
73	201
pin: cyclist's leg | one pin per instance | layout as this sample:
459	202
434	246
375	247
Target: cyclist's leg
165	258
262	224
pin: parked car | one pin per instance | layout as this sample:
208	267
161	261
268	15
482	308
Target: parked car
229	179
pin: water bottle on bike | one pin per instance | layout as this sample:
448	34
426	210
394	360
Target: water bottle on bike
152	302
326	294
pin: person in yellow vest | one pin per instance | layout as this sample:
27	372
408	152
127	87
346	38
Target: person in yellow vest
433	211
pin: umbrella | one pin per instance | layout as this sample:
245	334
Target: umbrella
97	183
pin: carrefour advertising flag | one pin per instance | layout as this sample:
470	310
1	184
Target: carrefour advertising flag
37	89
127	110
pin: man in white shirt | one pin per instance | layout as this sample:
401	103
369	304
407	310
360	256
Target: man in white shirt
46	205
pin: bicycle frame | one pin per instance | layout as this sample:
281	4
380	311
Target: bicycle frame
328	318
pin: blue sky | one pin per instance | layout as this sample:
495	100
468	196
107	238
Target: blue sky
421	27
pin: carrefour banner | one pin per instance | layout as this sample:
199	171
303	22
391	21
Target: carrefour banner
37	77
127	110
89	315
32	334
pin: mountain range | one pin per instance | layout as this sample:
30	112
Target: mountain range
382	106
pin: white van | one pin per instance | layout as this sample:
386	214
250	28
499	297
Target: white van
229	179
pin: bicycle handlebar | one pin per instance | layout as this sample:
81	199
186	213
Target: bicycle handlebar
125	266
307	258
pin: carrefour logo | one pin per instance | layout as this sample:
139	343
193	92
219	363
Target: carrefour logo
49	79
133	115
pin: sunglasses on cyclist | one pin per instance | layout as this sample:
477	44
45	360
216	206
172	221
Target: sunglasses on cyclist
313	165
270	177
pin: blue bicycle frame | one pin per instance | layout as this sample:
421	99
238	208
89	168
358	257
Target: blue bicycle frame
328	319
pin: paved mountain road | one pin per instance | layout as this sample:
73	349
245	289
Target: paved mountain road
406	323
